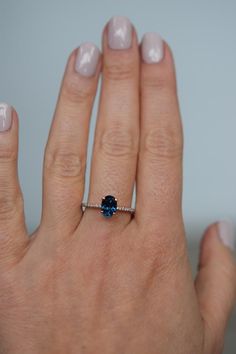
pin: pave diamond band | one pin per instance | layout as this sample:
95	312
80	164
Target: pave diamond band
108	206
98	206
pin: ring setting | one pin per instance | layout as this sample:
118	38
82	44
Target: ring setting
108	206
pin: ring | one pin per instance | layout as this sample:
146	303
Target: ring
108	206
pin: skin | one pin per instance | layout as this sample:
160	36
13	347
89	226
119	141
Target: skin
83	284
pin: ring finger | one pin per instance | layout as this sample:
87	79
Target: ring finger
116	140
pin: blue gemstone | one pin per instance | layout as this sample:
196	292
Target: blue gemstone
108	206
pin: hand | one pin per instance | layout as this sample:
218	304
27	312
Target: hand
83	283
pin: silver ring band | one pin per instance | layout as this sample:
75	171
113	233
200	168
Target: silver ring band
85	205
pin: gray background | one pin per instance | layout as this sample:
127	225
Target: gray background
36	38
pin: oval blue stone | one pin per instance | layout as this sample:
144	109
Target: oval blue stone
108	206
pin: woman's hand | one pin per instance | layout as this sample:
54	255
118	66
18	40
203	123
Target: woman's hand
83	283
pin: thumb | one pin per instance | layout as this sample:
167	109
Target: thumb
216	282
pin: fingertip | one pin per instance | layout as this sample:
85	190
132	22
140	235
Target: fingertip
15	118
209	231
219	233
5	117
158	67
226	233
84	62
154	49
169	55
15	124
9	123
217	244
119	35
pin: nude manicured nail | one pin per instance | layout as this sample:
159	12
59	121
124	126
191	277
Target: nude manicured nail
119	33
5	117
87	59
152	48
227	233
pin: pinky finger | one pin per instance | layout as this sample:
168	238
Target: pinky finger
216	283
13	234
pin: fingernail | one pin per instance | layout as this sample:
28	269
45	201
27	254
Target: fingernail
87	59
5	117
152	48
119	33
227	233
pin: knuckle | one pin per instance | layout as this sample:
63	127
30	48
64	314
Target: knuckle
10	203
164	143
118	142
8	155
161	82
74	91
64	163
119	71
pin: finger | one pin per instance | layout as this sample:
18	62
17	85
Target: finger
13	233
65	153
117	132
159	178
216	282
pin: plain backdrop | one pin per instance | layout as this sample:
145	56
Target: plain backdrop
36	38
